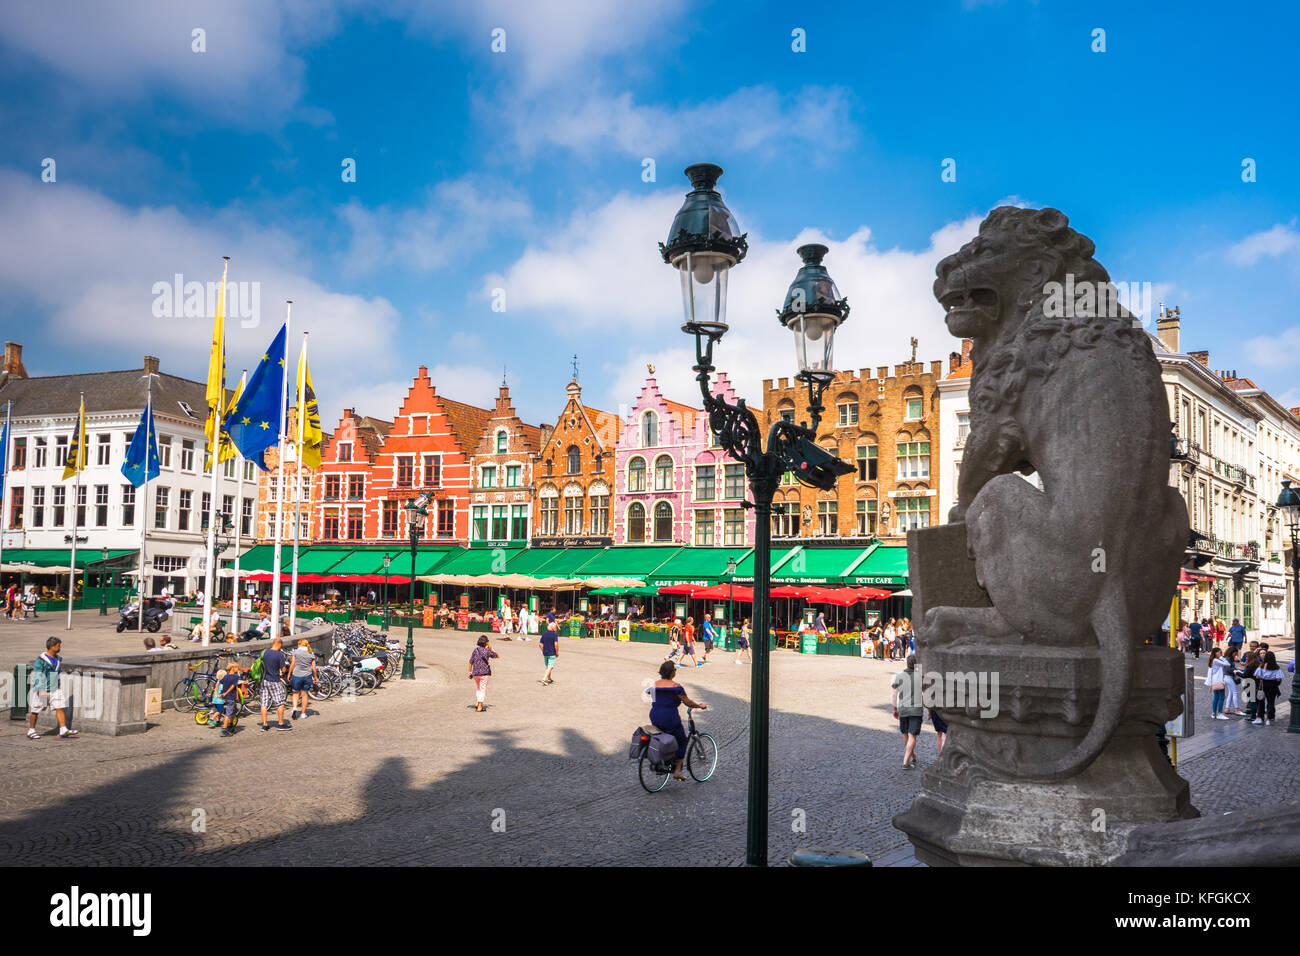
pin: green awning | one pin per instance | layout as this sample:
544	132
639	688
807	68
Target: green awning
817	566
626	592
634	562
745	567
314	559
368	561
257	558
426	559
478	561
698	566
61	557
885	566
563	562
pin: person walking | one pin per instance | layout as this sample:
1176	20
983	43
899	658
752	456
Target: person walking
689	640
1194	630
29	602
1232	696
1268	680
1214	680
480	670
550	645
1236	635
940	727
273	690
668	697
742	644
46	693
1249	665
709	636
303	676
227	696
908	709
9	600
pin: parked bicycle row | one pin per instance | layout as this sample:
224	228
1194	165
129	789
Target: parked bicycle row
231	684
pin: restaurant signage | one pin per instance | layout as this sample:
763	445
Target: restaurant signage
553	541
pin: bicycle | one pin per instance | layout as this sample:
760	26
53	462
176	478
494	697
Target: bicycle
195	689
701	758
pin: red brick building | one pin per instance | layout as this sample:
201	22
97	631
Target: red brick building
428	448
501	480
347	469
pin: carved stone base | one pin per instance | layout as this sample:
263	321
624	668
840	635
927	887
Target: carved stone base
972	809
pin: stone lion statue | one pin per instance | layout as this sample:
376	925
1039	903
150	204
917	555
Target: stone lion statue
1077	398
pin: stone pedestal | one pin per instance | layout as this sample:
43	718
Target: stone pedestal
1031	700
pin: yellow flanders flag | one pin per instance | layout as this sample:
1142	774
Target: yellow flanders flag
77	451
310	435
216	393
228	449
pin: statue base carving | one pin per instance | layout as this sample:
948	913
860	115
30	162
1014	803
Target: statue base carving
973	809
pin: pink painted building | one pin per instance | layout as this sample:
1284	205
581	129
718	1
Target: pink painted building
672	484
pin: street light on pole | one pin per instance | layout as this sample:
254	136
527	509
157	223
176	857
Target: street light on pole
704	242
731	585
1288	506
103	590
388	559
417	512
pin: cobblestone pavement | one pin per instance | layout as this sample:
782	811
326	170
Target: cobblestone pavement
412	775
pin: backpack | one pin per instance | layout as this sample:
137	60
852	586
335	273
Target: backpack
640	740
662	748
255	672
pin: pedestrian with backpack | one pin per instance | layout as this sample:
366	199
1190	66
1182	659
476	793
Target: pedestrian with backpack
46	693
273	690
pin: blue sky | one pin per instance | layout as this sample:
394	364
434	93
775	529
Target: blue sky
522	170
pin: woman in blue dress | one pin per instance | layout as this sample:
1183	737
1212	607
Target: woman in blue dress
668	696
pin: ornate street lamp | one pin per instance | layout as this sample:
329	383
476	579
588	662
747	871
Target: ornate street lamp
388	559
731	586
703	244
1288	506
103	589
417	512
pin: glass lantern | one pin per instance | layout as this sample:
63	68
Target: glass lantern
813	310
704	242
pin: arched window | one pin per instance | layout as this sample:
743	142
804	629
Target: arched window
663	521
636	475
636	522
575	460
501	442
649	430
663	473
913	404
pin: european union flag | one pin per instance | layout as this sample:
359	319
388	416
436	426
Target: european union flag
255	421
145	437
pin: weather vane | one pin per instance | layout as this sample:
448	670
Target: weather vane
575	366
914	344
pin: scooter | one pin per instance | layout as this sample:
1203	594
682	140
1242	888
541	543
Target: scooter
154	615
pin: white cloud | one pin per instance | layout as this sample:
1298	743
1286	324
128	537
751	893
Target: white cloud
1276	351
1272	243
93	265
457	217
603	267
127	50
757	120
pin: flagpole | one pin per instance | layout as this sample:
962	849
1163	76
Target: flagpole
239	521
4	477
80	439
297	484
279	506
213	452
144	501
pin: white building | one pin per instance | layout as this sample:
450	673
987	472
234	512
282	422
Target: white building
38	506
954	425
1217	479
1278	451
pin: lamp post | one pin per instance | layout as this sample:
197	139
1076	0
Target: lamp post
103	591
731	586
417	511
704	242
1288	505
388	559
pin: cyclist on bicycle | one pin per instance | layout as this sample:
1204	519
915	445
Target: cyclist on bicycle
668	697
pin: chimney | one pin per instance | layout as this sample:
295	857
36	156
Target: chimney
1202	357
966	346
882	371
1167	328
13	361
936	369
151	365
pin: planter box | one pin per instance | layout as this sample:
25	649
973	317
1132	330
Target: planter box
851	649
647	636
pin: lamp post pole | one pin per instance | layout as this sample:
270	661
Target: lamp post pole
704	242
731	593
103	590
1288	506
387	561
417	512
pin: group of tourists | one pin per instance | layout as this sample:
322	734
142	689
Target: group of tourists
909	709
1256	677
480	658
20	604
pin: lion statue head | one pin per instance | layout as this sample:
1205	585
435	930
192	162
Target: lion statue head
1011	291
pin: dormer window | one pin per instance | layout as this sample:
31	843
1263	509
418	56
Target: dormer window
502	439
